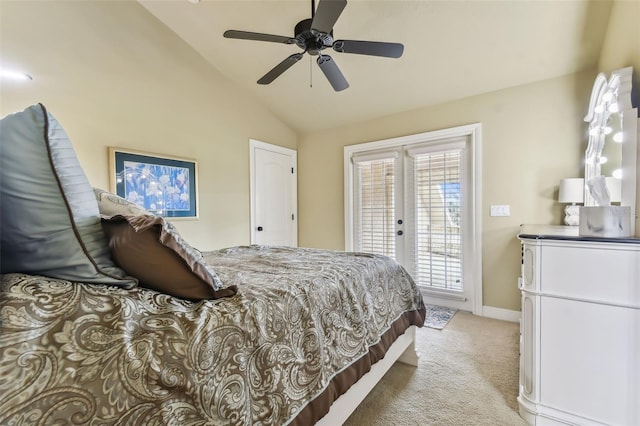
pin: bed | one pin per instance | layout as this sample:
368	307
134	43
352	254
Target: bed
280	335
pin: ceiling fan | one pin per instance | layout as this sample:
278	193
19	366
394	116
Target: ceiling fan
313	36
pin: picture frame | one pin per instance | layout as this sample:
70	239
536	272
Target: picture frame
163	185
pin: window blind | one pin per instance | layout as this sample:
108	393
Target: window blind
438	213
375	206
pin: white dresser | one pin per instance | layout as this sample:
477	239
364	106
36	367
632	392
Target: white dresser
580	328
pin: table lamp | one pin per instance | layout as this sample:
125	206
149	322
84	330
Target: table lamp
571	193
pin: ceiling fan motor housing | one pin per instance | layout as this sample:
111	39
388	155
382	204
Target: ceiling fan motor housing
311	41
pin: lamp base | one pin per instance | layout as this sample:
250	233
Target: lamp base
572	215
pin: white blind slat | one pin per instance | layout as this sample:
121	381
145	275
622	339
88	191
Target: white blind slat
373	156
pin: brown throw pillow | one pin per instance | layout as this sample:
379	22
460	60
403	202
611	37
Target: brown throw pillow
150	249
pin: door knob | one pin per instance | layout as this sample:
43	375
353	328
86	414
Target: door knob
259	228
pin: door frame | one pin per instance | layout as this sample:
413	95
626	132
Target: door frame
473	132
256	144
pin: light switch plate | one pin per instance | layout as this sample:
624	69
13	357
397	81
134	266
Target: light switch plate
500	210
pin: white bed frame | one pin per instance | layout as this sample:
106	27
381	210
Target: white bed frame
402	350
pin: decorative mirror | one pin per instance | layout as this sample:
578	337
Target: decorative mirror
612	147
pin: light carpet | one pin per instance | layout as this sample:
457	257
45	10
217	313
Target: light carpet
438	316
467	374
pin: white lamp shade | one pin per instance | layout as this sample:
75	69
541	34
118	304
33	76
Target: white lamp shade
614	186
571	190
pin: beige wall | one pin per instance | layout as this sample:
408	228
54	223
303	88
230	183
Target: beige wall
114	76
532	136
621	49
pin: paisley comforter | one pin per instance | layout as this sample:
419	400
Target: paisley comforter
304	326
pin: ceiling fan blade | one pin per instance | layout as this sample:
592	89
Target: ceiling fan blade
373	48
280	68
332	72
246	35
327	14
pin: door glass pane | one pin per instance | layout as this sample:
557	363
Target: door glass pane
438	212
375	207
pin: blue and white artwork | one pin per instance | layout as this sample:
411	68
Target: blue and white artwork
164	186
157	187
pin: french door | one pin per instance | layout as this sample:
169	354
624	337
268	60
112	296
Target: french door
414	199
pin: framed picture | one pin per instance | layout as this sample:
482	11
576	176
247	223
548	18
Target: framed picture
163	185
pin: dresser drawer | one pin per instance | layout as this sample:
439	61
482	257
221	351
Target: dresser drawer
589	360
601	273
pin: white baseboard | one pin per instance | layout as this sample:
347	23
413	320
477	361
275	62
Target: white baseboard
501	314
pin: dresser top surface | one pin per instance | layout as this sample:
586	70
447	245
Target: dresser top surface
567	233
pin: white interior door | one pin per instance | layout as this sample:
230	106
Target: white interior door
274	215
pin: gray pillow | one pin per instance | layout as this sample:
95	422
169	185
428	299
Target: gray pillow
50	223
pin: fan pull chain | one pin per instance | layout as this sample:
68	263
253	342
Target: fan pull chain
310	72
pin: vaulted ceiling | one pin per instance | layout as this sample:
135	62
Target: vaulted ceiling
452	50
